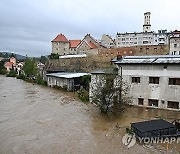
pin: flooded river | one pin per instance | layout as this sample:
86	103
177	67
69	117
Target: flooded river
41	120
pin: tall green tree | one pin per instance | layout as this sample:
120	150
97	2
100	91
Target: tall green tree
30	67
109	94
43	59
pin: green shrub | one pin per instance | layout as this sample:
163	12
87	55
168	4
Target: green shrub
2	71
21	76
39	80
12	73
83	95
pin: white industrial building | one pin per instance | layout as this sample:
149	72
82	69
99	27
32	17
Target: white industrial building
154	80
147	37
67	80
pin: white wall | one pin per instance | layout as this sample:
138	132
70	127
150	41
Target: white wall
162	91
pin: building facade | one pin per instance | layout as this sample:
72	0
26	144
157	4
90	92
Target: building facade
60	45
107	41
68	81
174	43
154	80
147	37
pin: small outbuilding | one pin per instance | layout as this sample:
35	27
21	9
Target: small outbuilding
65	80
153	128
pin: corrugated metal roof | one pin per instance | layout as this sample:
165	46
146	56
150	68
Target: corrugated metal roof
148	59
67	75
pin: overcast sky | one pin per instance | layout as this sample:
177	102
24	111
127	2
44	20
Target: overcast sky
28	26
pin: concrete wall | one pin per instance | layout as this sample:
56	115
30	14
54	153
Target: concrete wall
162	91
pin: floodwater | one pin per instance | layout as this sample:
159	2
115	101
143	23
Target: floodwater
41	120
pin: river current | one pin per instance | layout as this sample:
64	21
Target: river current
42	120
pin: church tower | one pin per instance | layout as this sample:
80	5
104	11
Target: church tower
147	25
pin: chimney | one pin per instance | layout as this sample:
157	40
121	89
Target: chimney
119	57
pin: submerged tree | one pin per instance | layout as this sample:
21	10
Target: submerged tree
30	67
109	93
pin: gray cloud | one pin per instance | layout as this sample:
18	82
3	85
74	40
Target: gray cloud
28	26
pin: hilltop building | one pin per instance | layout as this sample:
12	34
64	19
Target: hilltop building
147	37
107	41
174	42
62	46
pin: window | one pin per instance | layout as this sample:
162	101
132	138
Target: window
174	105
154	80
140	101
135	79
174	81
175	45
152	102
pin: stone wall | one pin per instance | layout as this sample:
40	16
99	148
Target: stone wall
151	50
86	64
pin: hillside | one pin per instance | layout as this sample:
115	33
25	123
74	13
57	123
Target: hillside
8	54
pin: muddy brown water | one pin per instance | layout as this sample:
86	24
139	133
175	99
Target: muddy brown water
41	120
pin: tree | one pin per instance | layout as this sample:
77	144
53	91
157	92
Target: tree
43	59
2	68
6	55
30	67
86	79
54	56
107	92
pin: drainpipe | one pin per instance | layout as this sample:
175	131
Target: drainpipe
120	95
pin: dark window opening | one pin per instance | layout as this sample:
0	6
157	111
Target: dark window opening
140	101
152	102
174	105
135	79
174	81
154	80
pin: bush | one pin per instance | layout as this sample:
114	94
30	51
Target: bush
54	56
12	73
2	71
39	80
21	76
83	95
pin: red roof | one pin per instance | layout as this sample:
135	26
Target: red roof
176	32
74	43
8	64
92	45
60	38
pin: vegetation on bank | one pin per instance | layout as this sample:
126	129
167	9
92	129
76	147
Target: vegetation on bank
109	94
2	68
29	72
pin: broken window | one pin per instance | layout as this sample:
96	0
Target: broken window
174	81
153	102
154	80
140	101
174	105
135	79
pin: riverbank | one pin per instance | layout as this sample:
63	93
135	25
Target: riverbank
39	119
